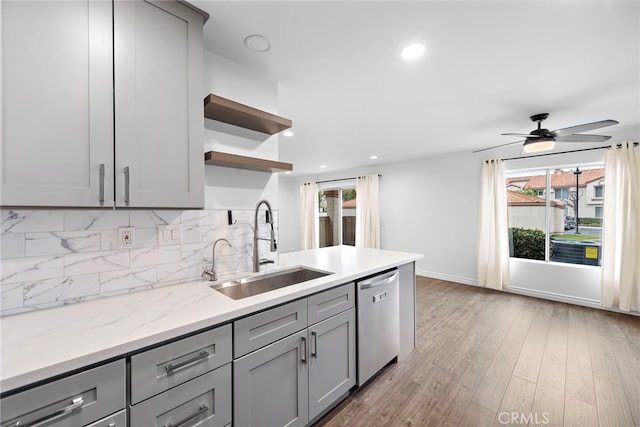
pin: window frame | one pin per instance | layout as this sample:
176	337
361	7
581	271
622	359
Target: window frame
549	196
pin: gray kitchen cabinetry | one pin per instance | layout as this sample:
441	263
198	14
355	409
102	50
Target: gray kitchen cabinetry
118	419
332	361
77	400
204	401
60	145
185	382
304	369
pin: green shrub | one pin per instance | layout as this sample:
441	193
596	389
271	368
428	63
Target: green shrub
525	243
590	222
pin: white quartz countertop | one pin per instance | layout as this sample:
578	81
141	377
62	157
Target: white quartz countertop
41	344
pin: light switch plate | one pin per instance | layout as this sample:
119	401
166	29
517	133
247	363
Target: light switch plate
126	237
169	235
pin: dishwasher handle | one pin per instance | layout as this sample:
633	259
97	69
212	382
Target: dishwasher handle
383	279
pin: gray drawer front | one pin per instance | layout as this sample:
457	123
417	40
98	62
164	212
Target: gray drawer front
157	370
329	303
101	390
262	329
203	401
115	420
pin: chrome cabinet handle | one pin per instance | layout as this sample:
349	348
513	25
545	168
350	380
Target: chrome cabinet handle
126	185
378	280
201	409
101	184
303	357
314	349
170	368
76	403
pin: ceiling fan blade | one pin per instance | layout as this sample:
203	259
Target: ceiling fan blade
582	138
497	146
522	135
585	127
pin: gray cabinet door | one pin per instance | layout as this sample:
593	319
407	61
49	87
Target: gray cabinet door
271	385
331	302
258	330
76	400
204	401
332	360
161	368
57	103
158	105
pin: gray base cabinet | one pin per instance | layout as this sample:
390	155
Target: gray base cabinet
76	400
271	384
204	402
332	361
293	380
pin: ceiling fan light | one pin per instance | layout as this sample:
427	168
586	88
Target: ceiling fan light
538	145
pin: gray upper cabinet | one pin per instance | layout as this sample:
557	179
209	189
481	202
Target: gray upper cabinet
59	147
57	96
158	105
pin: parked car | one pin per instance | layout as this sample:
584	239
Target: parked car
569	223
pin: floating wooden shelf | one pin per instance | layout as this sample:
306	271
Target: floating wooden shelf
234	113
216	158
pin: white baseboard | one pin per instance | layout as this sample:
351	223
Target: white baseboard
585	302
447	277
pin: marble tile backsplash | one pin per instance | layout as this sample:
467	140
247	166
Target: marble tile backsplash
51	257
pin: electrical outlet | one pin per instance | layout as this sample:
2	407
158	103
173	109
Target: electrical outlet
169	235
126	237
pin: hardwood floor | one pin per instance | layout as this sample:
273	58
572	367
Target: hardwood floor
483	355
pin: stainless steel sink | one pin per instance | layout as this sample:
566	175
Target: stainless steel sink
254	285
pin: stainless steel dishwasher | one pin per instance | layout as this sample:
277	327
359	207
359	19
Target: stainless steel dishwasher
378	323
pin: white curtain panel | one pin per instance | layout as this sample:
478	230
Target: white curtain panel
621	228
309	238
493	248
367	212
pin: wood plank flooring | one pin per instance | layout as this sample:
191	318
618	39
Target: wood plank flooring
482	355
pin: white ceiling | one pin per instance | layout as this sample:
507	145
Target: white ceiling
488	66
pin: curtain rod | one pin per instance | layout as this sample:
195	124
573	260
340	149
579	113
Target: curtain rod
342	179
635	144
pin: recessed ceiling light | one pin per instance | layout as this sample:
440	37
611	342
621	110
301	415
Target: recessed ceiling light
374	157
323	166
257	43
413	51
287	133
287	173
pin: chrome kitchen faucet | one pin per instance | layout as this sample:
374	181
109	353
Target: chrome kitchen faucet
211	274
273	246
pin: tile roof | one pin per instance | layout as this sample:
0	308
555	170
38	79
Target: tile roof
515	198
349	204
560	179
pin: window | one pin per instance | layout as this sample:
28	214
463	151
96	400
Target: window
561	193
566	227
598	211
337	211
599	191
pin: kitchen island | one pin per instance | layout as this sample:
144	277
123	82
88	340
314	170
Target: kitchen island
39	345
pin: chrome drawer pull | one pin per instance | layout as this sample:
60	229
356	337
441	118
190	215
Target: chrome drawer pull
202	409
314	351
76	403
126	185
101	184
303	357
201	356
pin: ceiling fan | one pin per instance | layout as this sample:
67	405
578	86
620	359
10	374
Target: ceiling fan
544	139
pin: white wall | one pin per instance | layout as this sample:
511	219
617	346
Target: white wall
431	206
236	188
